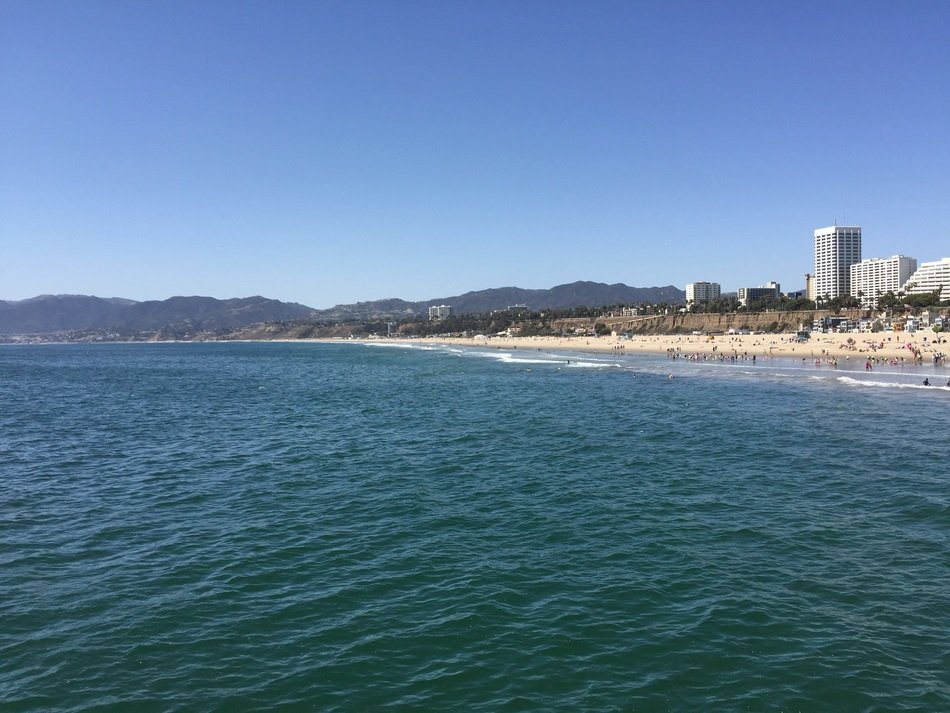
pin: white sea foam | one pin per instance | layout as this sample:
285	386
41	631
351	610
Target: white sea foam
592	365
844	374
890	384
512	359
394	345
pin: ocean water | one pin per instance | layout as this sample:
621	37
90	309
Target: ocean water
346	527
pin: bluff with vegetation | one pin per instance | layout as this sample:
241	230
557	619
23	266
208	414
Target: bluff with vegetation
554	322
713	323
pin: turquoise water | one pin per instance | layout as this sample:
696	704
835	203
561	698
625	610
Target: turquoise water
347	528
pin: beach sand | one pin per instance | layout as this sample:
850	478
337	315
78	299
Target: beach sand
882	346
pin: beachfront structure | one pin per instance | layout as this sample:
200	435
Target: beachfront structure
439	312
837	248
930	276
702	292
751	294
878	275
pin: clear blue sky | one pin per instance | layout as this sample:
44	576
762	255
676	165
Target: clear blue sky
331	152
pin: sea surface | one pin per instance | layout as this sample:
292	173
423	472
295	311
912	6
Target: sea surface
348	527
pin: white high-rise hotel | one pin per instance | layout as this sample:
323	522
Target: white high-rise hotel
837	248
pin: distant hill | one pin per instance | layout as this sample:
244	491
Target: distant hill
48	314
57	313
63	313
575	294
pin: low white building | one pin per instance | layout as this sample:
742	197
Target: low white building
751	294
439	311
930	276
879	275
702	293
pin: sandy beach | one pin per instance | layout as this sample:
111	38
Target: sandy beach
882	347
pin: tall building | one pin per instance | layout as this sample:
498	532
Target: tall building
879	275
702	293
837	248
930	276
809	286
751	294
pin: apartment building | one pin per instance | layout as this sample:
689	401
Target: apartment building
751	294
930	276
702	293
874	276
837	248
439	312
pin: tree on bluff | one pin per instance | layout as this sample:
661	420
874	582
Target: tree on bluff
923	300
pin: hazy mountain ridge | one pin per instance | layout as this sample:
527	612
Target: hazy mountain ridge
574	294
54	313
47	314
60	313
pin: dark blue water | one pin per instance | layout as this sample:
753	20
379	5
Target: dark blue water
347	528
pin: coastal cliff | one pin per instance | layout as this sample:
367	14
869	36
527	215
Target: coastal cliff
720	323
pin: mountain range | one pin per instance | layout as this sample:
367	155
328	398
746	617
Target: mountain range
63	313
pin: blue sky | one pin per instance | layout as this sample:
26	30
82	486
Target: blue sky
331	152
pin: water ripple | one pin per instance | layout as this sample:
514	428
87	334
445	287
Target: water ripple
260	527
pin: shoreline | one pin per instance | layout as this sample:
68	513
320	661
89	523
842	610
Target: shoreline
890	348
894	348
